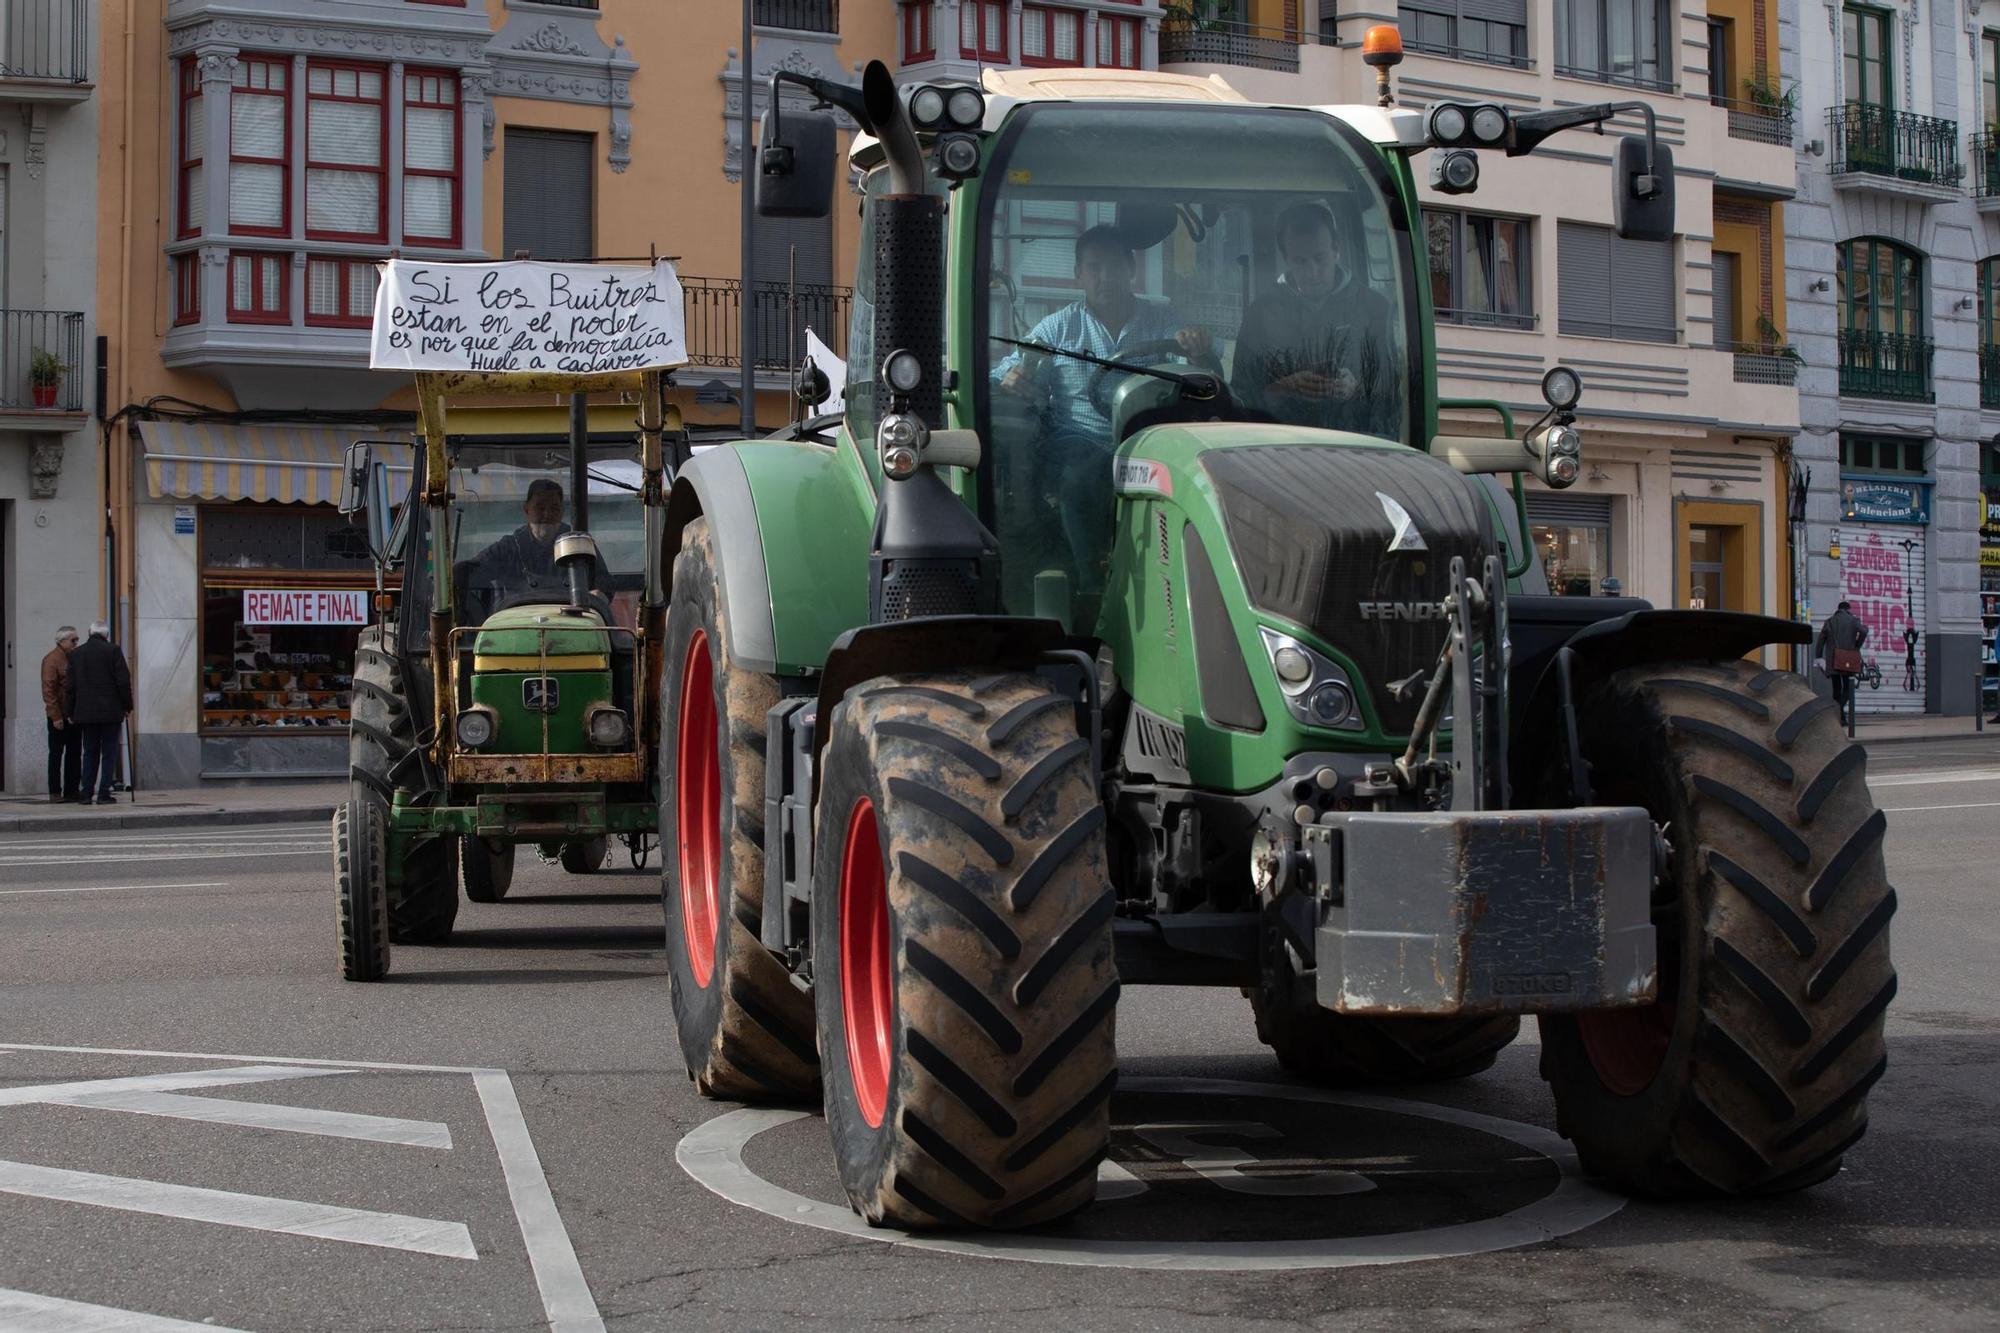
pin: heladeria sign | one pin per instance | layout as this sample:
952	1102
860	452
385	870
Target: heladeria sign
304	606
525	316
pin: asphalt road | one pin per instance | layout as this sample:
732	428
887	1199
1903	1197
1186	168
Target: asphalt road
168	1149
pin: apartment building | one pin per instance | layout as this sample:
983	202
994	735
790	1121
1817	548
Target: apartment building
276	151
1896	264
51	489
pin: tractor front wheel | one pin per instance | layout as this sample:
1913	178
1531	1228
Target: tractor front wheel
488	868
962	965
360	877
1750	1075
381	745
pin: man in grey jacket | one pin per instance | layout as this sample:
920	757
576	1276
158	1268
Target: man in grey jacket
1838	648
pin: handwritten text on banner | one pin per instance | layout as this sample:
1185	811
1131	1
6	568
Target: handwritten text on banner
523	316
304	606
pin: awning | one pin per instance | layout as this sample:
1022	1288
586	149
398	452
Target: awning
198	460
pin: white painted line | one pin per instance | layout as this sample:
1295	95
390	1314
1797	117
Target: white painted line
175	1082
25	1312
713	1154
1933	779
337	1065
1912	809
266	1115
565	1294
261	854
116	888
319	1221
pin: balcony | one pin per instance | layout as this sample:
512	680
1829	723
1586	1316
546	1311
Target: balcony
798	15
45	50
1763	363
1894	152
1984	152
1989	377
1227	42
1885	365
1756	121
714	310
43	369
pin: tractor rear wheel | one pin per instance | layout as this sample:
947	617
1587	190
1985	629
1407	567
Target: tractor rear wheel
745	1029
586	857
382	736
1345	1050
360	877
1750	1074
962	965
488	868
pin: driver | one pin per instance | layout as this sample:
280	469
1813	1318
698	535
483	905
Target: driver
1313	351
525	557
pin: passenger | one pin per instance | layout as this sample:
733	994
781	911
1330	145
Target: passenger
1314	350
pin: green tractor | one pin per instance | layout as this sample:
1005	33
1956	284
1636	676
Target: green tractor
505	695
1160	637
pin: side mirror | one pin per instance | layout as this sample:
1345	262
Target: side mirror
1642	203
795	160
354	474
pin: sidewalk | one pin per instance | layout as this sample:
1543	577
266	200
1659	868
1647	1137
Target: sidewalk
266	803
1897	729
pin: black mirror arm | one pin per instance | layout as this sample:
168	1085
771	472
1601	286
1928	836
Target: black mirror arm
1528	131
777	159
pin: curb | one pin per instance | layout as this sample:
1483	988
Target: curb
1991	734
137	817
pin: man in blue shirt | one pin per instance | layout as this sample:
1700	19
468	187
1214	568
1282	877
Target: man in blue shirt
1076	436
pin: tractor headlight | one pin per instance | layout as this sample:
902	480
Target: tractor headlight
901	371
1331	704
475	728
1294	668
1316	689
927	107
608	728
966	108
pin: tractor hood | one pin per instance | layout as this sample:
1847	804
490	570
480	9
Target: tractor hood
523	634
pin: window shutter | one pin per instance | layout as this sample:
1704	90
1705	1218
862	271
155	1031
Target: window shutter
344	201
323	287
348	132
775	239
1724	301
549	192
1583	280
1642	289
1580	511
256	189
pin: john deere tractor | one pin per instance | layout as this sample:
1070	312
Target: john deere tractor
1140	624
507	694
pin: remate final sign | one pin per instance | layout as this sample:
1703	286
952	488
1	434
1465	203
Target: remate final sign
304	606
527	316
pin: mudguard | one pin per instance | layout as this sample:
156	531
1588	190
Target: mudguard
791	525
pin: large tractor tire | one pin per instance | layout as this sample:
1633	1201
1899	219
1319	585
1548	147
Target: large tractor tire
962	963
1342	1050
1751	1073
745	1030
488	868
586	857
382	734
360	877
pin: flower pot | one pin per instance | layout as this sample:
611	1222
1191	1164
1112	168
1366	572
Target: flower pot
44	394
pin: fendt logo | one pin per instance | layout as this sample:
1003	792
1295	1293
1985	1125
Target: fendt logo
1405	611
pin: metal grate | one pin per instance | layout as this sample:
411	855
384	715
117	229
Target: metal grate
1885	365
1985	152
1759	363
42	363
46	41
1225	42
798	15
713	307
1880	142
1759	122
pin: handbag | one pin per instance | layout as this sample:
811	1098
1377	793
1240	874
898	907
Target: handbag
1847	661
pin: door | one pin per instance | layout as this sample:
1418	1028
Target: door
1869	91
1727	332
1882	579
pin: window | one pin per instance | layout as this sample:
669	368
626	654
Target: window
194	147
1881	288
1051	36
1718	60
1864	453
187	288
549	195
430	157
258	288
340	292
259	133
917	40
346	139
1865	56
1989	80
1610	287
1117	42
1617	41
1495	31
1479	268
982	30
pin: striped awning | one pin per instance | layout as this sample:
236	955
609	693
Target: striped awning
198	460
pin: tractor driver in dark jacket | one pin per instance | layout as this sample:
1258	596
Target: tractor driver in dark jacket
523	561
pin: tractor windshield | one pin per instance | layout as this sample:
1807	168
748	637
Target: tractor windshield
1252	243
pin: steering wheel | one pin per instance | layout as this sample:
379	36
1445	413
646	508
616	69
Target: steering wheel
1142	353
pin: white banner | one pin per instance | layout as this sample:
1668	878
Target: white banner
526	316
304	606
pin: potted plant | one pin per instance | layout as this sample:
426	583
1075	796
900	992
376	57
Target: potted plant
45	376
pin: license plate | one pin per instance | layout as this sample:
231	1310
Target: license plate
541	694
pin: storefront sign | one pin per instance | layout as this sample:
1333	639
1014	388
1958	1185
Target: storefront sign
304	606
522	317
183	520
1883	500
1989	557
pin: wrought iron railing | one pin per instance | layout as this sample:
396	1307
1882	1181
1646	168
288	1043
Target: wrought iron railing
1625	75
42	365
1759	122
799	15
1989	377
1763	363
1984	150
1226	42
1458	51
1880	142
1885	365
46	41
714	310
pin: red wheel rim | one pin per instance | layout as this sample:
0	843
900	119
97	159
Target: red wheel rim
867	995
698	810
1627	1047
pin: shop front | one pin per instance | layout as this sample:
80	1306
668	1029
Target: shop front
1572	535
253	592
1881	546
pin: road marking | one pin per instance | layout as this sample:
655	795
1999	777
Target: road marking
26	1312
1939	778
261	854
713	1154
320	1221
179	1081
558	1276
1912	809
115	888
268	1115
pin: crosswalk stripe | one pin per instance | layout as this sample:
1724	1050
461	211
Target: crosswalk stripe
319	1221
26	1312
114	888
266	1115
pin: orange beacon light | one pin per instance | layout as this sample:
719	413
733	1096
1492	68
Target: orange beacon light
1382	47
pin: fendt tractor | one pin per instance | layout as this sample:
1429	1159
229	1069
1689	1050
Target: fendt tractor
1160	637
505	697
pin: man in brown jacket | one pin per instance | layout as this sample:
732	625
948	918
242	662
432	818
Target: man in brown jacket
65	738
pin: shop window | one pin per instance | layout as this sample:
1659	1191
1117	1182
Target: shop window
260	120
1050	36
982	30
430	157
1901	457
281	618
193	150
1480	269
259	288
341	292
918	43
1117	42
347	129
187	288
1576	557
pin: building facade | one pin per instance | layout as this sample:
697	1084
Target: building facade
276	152
51	489
1896	245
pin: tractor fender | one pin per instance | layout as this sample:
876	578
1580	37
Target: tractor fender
791	537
